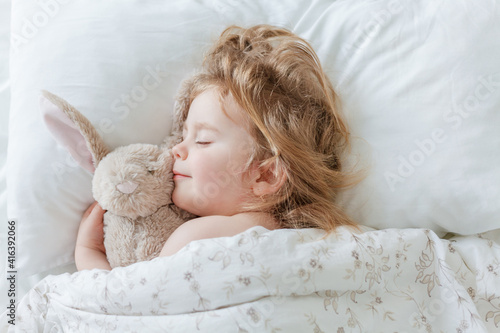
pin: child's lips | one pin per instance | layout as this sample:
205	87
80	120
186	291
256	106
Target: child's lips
178	175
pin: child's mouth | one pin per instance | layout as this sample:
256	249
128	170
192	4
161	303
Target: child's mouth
178	175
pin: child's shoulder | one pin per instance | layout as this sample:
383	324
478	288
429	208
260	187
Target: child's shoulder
221	226
215	226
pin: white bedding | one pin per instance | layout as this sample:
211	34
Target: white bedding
420	86
405	280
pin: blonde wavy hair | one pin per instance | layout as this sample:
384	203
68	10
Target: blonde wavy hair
277	79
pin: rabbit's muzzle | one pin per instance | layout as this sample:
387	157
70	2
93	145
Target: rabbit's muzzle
134	181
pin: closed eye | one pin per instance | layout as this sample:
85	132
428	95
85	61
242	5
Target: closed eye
203	142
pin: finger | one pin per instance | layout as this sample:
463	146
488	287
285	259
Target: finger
97	212
89	210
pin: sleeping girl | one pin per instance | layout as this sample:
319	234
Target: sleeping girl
261	145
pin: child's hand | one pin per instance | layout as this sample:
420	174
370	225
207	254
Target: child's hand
90	251
91	234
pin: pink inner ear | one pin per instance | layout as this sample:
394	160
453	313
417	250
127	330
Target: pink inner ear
66	133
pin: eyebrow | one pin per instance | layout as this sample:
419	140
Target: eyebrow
201	125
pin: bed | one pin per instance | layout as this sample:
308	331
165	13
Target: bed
419	84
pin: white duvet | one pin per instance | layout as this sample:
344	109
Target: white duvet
405	280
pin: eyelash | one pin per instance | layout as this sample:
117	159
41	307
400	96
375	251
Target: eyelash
202	142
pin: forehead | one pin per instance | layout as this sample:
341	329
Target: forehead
209	108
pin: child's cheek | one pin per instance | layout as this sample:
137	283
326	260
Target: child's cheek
234	168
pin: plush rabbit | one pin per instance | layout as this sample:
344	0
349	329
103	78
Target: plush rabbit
133	183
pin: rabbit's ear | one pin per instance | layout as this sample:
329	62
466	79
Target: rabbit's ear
72	130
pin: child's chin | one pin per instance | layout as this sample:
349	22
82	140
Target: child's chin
179	201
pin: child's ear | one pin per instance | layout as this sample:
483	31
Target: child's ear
267	180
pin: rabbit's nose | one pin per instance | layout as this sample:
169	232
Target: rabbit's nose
127	187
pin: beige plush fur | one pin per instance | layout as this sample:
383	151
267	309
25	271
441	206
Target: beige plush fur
134	184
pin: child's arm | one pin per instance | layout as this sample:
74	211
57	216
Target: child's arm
89	251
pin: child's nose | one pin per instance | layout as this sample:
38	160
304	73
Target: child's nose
179	151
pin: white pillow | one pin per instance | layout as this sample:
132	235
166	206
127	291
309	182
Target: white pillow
421	91
120	63
400	68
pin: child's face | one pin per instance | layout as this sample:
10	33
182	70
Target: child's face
209	161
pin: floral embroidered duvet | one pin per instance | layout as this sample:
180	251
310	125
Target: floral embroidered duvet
395	280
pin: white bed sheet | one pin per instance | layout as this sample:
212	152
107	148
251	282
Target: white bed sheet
4	121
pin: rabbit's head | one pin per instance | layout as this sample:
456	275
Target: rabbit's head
131	181
134	180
